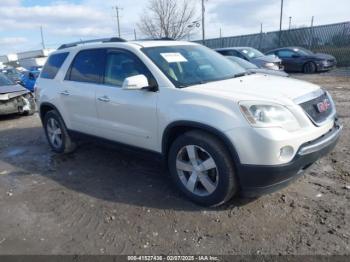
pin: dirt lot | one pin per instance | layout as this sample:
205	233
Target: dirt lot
103	201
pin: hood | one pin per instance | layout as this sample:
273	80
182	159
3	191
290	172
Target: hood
11	89
323	56
258	87
267	59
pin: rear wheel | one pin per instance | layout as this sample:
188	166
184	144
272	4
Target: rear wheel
202	168
309	68
57	134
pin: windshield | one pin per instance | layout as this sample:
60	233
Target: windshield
251	52
243	63
303	51
193	64
5	81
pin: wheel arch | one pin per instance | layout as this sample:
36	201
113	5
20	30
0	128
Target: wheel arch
46	107
175	129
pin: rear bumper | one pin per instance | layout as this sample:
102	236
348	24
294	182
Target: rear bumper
256	180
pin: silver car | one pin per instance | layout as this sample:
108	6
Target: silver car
254	56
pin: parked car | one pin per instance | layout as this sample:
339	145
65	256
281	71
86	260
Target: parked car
251	68
28	79
254	56
220	131
14	98
298	59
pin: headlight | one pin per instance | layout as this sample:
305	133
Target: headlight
269	115
271	65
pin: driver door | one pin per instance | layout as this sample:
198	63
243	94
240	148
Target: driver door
126	116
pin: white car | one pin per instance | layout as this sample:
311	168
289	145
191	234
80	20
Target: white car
220	130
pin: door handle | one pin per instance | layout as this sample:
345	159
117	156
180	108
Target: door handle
104	99
65	93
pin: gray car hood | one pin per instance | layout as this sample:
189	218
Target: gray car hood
12	89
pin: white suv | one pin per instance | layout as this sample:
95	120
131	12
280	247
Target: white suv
220	129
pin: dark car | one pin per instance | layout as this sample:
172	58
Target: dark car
254	56
14	98
298	59
254	69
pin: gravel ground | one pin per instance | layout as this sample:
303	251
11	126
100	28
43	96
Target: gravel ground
104	201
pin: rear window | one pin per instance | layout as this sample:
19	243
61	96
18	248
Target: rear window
52	65
88	66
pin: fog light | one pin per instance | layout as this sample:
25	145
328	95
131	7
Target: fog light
286	152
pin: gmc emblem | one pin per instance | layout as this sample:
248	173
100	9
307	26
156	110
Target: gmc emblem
323	106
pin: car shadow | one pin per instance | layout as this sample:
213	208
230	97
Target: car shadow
110	174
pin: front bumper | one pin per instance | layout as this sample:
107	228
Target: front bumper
256	180
16	103
325	67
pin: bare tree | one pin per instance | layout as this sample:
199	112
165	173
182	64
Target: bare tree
168	18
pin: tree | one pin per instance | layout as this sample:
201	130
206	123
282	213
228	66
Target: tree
167	19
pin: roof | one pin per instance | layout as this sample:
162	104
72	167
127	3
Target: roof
111	42
233	48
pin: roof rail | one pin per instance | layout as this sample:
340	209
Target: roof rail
100	40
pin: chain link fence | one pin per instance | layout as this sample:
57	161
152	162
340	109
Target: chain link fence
333	39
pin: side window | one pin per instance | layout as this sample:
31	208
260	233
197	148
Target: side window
120	65
285	53
87	66
224	52
52	65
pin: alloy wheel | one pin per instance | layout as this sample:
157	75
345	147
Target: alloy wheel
197	170
54	133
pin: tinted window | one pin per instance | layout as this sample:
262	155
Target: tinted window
52	65
88	66
120	65
285	53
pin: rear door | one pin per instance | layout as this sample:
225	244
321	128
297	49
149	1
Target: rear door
78	90
126	116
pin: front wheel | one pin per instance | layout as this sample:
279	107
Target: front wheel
309	68
202	168
57	134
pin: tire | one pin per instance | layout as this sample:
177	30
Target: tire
223	184
309	68
63	142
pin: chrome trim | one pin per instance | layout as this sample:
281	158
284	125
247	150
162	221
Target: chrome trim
322	143
314	95
309	96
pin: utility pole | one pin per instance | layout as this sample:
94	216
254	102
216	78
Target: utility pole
311	32
135	34
290	22
203	22
261	26
117	10
42	37
281	22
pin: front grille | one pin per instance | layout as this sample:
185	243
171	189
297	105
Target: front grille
310	107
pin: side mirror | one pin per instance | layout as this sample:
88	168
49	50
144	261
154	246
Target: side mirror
137	82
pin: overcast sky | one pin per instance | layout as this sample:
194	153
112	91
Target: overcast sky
66	21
